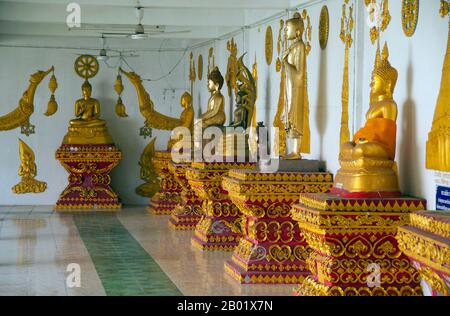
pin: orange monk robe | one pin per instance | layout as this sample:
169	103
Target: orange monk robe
380	130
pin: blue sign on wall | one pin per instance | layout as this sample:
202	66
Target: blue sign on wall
443	198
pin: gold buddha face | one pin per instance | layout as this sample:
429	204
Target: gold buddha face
377	87
294	27
87	90
215	80
384	77
186	100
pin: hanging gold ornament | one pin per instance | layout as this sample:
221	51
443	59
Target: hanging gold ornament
324	27
120	107
269	45
280	43
52	106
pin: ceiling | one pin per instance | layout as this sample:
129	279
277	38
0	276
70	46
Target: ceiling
35	22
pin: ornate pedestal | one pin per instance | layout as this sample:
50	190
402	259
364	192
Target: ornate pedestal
220	226
188	212
426	241
354	247
272	249
163	202
89	181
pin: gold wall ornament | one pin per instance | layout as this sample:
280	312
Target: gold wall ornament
120	107
379	17
192	75
324	27
347	25
20	116
410	16
438	144
86	66
269	45
148	173
211	60
232	67
28	172
200	67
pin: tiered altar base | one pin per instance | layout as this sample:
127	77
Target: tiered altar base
426	241
272	249
354	247
89	180
165	201
220	226
188	212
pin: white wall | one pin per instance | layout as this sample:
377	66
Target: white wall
16	66
418	60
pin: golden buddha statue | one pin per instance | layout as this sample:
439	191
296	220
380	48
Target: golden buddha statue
87	128
294	68
367	163
186	118
215	115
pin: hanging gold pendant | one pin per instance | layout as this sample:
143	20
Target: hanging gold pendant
28	172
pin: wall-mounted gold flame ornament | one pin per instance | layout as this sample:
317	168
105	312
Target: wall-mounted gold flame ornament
28	172
200	67
410	16
269	45
120	107
347	25
232	67
438	144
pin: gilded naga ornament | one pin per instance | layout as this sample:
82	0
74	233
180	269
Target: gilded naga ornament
295	112
148	173
28	172
368	162
232	67
438	144
347	25
20	116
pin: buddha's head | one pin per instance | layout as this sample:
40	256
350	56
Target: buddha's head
215	80
384	77
186	100
294	27
86	89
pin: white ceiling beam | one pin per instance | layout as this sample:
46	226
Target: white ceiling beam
210	4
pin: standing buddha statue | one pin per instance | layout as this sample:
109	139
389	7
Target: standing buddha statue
367	162
294	68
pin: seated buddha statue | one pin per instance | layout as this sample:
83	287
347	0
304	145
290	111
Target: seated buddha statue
87	109
367	162
87	128
215	114
186	118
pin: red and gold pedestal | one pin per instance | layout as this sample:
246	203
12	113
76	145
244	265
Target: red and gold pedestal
220	225
165	201
272	249
89	180
426	241
188	212
354	247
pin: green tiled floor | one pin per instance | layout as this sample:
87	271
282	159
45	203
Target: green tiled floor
123	266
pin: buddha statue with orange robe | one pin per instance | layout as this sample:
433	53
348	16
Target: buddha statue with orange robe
367	162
